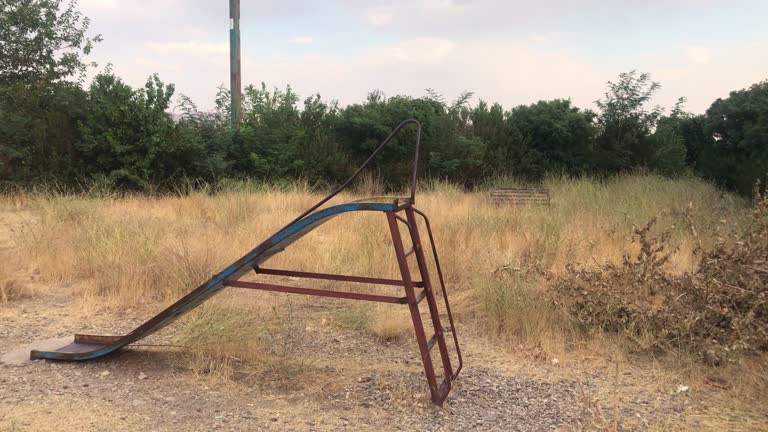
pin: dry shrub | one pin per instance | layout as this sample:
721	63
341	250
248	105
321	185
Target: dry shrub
719	309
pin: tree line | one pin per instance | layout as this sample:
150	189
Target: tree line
54	127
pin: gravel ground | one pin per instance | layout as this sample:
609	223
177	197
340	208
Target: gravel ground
354	383
350	381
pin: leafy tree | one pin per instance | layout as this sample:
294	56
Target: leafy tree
320	157
42	41
128	138
454	153
209	132
735	151
270	123
625	122
490	125
694	137
39	133
554	136
667	150
361	127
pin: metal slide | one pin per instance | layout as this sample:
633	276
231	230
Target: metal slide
87	347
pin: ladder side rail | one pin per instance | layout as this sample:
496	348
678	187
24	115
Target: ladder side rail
418	326
445	292
431	301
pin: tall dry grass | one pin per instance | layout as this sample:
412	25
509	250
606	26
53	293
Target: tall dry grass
132	250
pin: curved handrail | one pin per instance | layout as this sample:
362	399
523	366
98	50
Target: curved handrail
373	155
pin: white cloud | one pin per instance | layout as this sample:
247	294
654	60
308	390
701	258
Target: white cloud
126	8
544	37
698	54
190	47
443	7
303	40
414	51
99	4
380	19
729	69
430	17
505	71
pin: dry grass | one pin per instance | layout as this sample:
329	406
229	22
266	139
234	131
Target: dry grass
12	289
229	342
144	250
389	323
12	285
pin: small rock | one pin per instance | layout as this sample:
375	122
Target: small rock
555	362
364	379
142	375
104	373
682	388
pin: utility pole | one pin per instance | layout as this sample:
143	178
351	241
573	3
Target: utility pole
235	82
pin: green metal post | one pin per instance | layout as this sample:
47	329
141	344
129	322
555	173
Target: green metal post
235	82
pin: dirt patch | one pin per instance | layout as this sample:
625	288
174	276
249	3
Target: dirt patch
20	355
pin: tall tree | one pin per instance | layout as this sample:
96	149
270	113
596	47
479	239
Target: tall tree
42	41
626	121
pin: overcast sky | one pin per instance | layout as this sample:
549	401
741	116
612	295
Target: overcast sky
512	52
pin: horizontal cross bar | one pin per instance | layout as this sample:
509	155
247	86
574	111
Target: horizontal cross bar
315	292
335	277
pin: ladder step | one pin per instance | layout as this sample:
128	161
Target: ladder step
421	296
431	342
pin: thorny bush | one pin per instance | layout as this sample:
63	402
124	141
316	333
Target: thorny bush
718	310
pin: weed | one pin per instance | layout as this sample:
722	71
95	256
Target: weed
719	309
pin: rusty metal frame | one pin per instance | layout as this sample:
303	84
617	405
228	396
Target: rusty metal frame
87	347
